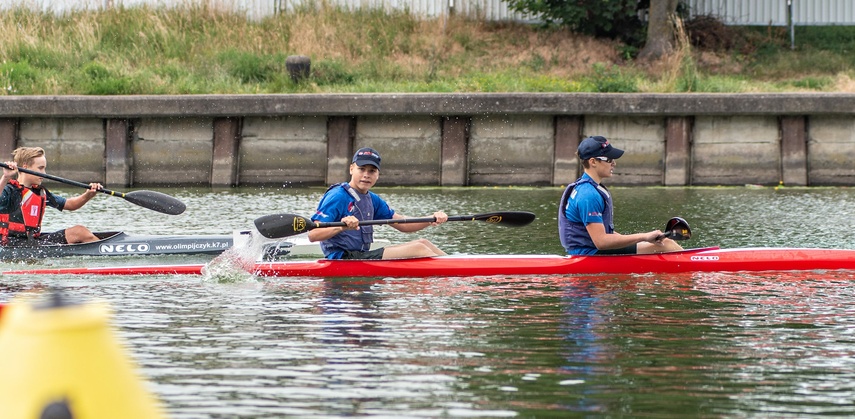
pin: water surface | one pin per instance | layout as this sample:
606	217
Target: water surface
766	344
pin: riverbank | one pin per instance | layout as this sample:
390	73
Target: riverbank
198	50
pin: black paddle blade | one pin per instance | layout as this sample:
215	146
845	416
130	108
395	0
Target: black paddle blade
275	226
155	201
677	229
506	218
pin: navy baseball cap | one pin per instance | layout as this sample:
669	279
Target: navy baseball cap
597	146
367	155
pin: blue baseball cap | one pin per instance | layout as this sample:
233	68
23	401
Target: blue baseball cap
597	146
367	155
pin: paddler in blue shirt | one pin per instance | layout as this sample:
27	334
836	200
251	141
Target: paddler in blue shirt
353	201
586	212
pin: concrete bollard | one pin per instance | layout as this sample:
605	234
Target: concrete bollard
299	67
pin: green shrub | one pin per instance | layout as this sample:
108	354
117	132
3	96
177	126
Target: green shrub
248	67
98	80
611	80
616	19
17	77
813	83
332	72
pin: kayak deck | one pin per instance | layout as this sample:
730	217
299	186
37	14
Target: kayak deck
117	243
693	260
711	259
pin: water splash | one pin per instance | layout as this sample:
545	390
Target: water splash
237	263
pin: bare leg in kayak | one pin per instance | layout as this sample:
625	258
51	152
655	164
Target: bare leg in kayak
79	234
415	248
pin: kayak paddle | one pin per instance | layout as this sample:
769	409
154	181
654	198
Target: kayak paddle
283	225
677	229
152	200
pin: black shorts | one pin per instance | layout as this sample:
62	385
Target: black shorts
56	237
371	254
629	250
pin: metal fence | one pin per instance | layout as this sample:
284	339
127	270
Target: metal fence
254	9
734	12
492	10
789	13
776	12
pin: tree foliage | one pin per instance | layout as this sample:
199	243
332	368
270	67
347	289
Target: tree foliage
617	19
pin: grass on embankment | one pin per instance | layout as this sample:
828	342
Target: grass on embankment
196	50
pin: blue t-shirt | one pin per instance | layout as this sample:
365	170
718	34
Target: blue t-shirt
338	203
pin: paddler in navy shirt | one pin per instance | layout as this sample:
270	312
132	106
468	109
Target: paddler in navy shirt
586	212
353	201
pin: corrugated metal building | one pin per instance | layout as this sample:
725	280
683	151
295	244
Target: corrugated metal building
735	12
732	12
777	12
254	9
789	13
494	10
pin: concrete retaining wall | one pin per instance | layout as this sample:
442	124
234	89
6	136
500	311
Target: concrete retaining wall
437	139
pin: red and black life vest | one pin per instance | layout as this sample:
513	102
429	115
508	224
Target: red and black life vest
27	207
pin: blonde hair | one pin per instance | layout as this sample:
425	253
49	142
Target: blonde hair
24	156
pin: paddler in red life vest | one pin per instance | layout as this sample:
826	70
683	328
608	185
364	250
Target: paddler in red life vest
352	201
23	203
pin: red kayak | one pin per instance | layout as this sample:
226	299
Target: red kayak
116	270
710	259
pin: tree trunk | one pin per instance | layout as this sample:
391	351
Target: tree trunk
660	30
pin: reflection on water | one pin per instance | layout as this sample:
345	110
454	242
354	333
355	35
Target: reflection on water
686	345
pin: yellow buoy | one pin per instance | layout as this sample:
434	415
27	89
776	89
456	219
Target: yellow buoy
62	359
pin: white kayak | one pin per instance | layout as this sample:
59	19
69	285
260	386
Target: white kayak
289	247
118	243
